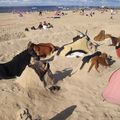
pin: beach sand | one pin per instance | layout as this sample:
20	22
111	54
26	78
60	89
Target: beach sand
80	97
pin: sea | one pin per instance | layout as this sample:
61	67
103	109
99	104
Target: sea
7	9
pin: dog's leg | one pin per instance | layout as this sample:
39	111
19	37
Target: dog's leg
82	65
92	64
96	66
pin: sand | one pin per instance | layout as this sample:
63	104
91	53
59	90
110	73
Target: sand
80	97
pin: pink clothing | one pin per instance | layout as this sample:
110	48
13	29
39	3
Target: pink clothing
112	91
118	52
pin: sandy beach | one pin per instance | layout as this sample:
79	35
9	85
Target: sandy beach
80	97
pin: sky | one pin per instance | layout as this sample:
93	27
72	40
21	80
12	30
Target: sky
60	2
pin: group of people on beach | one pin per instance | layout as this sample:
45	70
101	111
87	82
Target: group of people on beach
90	13
82	12
43	25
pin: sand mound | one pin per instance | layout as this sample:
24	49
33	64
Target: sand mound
15	35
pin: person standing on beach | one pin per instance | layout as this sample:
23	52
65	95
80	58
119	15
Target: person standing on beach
40	13
111	11
40	26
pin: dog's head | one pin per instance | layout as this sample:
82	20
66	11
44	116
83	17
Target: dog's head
104	55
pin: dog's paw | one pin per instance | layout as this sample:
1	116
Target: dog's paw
54	88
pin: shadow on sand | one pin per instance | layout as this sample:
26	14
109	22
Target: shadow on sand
60	75
64	114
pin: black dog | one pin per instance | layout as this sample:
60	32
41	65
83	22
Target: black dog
16	66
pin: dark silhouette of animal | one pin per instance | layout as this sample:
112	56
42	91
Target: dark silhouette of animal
43	49
99	60
16	66
87	58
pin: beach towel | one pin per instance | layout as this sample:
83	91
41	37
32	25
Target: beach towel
112	91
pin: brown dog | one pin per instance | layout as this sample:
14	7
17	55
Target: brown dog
98	60
43	49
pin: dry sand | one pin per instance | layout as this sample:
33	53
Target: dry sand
80	95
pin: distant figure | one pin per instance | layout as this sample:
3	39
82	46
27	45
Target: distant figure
26	29
49	25
20	15
33	28
40	26
111	11
82	12
45	25
91	14
40	13
62	13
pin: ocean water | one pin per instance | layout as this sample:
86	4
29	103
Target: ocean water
30	8
37	8
26	8
43	8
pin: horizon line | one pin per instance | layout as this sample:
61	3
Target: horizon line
58	5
